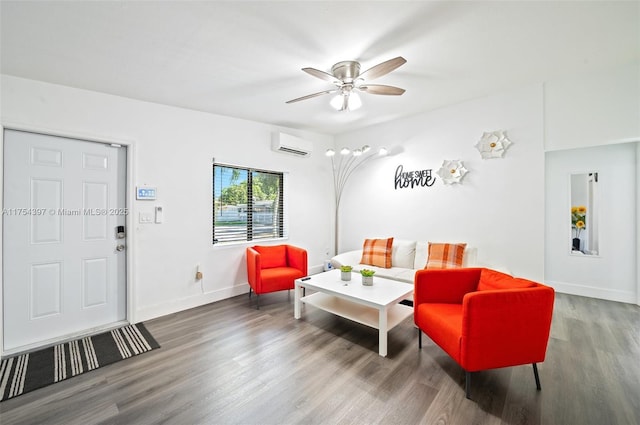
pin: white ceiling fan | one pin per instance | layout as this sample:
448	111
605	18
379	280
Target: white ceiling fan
347	78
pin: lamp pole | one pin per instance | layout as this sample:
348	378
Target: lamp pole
348	162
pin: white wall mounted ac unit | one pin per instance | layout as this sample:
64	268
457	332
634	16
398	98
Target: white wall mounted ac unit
286	143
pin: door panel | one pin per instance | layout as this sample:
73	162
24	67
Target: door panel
46	157
94	281
46	195
95	162
95	199
62	275
45	290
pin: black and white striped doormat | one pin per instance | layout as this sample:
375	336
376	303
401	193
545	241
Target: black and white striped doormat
27	372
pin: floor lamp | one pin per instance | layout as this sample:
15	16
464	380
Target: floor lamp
348	161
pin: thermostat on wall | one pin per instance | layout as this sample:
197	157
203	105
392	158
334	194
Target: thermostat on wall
146	193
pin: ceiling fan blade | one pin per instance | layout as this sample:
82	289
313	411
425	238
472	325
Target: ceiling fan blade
320	74
382	89
309	96
383	68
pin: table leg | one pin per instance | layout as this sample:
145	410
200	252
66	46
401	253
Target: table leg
382	329
296	303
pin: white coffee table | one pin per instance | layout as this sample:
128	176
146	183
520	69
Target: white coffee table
375	306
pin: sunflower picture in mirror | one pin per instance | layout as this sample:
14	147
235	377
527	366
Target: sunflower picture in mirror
578	220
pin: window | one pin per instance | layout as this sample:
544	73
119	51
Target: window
248	204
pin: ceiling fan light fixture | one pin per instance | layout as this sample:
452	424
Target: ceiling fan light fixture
337	102
354	101
346	77
346	101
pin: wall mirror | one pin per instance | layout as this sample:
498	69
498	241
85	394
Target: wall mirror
584	214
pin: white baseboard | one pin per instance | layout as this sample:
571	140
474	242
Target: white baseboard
316	269
158	310
594	292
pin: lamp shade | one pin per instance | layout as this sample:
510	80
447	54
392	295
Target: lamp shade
346	101
337	102
354	101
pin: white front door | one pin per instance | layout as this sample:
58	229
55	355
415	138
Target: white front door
64	265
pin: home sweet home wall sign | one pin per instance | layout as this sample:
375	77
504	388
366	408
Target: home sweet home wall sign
411	179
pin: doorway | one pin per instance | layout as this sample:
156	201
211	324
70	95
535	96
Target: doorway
64	238
609	271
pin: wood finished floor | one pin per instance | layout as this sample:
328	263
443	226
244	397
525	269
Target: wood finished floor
228	363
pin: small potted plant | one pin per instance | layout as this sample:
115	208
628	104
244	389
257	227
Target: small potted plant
345	272
367	276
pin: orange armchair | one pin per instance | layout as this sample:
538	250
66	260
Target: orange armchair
274	268
484	319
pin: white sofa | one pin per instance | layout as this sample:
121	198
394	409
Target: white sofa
407	257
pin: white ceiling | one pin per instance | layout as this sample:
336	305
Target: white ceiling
243	59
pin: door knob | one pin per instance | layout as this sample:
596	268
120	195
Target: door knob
120	248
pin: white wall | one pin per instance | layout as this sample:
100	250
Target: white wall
593	109
173	151
499	208
637	223
599	109
612	274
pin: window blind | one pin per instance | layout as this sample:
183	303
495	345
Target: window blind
248	204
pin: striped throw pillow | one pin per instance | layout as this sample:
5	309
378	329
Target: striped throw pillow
377	252
445	255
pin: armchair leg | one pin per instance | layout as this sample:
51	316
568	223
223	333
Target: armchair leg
257	299
419	339
467	384
535	373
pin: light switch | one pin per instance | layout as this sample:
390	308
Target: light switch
159	215
145	217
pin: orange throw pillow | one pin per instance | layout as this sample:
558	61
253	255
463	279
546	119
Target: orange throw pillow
445	255
377	252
